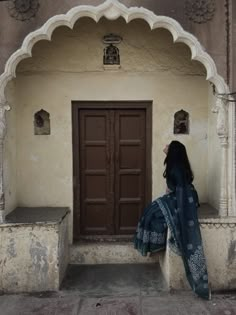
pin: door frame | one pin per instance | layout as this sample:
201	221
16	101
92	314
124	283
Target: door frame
79	105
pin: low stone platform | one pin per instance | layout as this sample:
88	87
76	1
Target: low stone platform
34	249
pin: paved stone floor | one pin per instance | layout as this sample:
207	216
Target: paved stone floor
71	303
115	290
114	280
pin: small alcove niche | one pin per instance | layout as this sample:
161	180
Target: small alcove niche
42	123
181	122
111	53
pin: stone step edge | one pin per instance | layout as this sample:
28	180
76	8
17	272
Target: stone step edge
107	253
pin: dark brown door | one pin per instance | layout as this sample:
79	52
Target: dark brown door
129	165
96	171
112	170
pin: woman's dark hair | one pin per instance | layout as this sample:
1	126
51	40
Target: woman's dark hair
177	157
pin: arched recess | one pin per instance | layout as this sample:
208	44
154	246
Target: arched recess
113	9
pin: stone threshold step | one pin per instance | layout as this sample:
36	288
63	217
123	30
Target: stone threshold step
106	238
89	253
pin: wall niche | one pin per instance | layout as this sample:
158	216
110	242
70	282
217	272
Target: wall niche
42	123
181	122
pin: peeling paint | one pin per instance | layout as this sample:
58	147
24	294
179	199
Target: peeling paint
232	252
11	249
232	283
39	255
33	257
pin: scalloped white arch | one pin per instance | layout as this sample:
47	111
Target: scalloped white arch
111	9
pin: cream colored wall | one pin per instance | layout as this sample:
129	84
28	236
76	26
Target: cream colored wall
10	161
214	156
70	68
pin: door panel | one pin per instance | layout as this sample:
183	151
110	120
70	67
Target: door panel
112	170
95	172
129	168
130	157
101	157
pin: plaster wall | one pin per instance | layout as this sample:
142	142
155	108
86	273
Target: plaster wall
9	164
214	156
70	68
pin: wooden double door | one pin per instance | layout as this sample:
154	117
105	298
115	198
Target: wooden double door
111	167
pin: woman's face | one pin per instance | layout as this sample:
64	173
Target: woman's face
166	149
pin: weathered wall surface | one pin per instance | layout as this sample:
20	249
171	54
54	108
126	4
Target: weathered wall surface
10	172
70	68
219	248
12	31
63	247
33	256
214	156
232	45
32	249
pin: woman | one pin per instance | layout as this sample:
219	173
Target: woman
176	210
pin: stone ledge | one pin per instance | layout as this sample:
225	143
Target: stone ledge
36	215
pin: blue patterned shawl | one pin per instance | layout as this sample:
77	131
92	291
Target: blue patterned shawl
178	211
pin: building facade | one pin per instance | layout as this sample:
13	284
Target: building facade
90	93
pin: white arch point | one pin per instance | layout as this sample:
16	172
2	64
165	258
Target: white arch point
112	10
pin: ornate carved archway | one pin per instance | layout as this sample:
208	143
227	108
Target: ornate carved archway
113	9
